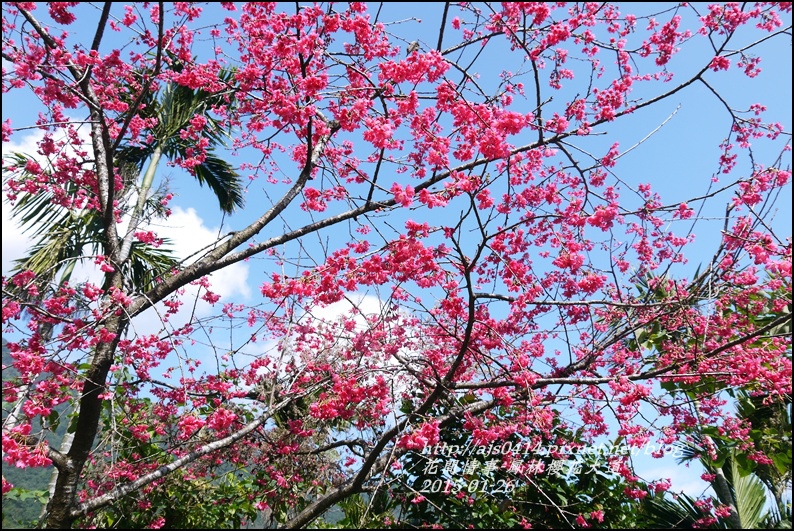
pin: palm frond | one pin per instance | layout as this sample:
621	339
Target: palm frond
689	450
62	237
176	106
148	264
222	180
134	154
35	211
657	511
750	495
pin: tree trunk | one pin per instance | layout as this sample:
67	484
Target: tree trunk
64	498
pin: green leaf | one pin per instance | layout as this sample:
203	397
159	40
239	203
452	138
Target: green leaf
744	465
782	461
73	423
54	420
750	498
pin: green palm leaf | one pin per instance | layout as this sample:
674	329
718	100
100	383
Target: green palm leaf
148	264
660	512
222	180
63	237
175	107
750	495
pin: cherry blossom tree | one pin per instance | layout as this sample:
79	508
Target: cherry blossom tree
476	182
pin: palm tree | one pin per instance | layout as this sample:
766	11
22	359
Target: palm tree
771	434
174	108
741	483
658	511
61	235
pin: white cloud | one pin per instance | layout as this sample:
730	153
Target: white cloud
365	305
15	243
189	235
360	306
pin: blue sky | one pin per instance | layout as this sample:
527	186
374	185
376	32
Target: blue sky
678	158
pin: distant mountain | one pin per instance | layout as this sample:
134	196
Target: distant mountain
22	506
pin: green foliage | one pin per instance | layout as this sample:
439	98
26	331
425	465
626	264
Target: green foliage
59	234
507	484
748	479
22	506
184	503
201	495
665	511
366	512
751	480
174	107
62	238
750	496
